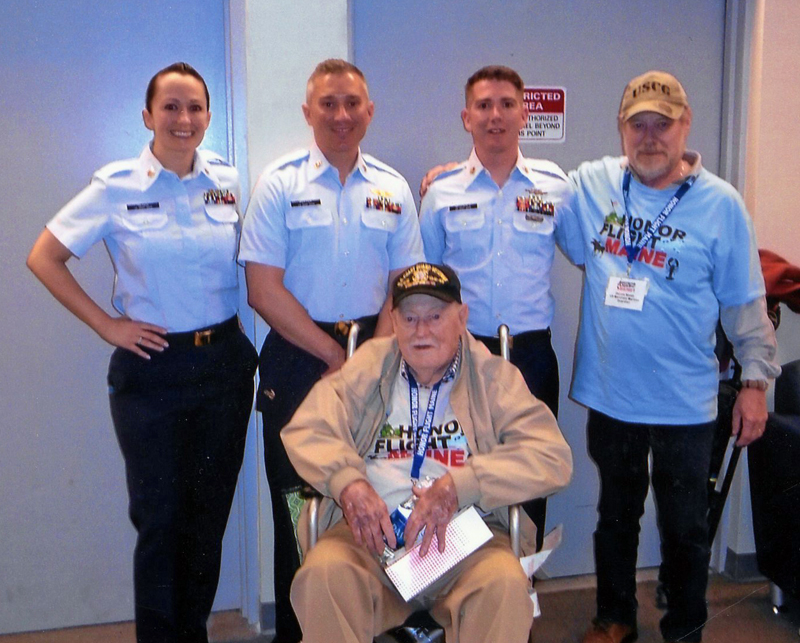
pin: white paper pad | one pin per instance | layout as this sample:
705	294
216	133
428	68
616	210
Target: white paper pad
531	564
411	573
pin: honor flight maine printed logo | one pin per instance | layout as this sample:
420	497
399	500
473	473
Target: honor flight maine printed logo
447	443
658	252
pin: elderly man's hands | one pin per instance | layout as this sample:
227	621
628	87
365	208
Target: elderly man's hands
433	510
367	516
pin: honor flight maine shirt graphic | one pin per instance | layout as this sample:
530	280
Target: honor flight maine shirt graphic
661	251
390	455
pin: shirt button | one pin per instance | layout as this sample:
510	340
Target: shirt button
346	253
499	285
499	222
499	253
344	219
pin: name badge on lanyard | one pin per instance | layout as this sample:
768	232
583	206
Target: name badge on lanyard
625	292
628	292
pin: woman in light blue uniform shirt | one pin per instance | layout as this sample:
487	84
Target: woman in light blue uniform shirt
181	377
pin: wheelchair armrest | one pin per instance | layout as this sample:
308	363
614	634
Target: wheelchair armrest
313	520
513	529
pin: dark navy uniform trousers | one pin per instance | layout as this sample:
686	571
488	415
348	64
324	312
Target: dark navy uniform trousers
181	421
287	373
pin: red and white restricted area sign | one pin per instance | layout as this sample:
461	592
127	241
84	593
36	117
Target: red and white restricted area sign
546	109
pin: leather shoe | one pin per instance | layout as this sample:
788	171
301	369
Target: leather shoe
605	632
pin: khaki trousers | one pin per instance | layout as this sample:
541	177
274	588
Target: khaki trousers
341	594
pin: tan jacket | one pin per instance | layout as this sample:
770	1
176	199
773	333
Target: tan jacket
518	452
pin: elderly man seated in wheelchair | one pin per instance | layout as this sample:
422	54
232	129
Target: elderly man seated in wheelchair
480	439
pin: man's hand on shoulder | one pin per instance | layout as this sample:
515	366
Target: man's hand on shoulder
433	510
367	516
432	174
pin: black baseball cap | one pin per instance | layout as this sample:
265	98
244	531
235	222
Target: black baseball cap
424	278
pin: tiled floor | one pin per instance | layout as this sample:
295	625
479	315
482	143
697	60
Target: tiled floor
738	613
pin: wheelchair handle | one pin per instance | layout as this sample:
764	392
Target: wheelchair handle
313	502
513	510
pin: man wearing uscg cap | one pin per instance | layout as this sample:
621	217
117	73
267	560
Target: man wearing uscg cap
669	250
490	443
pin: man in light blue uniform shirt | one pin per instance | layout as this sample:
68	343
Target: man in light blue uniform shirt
326	231
496	219
668	250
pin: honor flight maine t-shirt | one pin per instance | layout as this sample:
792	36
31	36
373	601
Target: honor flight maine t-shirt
390	456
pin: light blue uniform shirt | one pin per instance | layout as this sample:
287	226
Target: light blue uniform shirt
336	243
657	365
500	241
172	241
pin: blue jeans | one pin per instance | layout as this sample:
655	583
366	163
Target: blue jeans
681	457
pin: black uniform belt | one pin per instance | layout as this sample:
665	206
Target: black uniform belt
340	330
518	342
204	336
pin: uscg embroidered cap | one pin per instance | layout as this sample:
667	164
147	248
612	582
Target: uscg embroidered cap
438	281
654	91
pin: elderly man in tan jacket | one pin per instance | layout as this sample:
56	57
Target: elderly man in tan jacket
480	438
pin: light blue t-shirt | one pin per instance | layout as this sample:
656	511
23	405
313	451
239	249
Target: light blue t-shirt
657	366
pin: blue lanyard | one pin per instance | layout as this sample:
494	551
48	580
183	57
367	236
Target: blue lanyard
421	444
633	250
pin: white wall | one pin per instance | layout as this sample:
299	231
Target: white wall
772	167
73	76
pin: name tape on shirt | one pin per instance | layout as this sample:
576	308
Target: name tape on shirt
144	206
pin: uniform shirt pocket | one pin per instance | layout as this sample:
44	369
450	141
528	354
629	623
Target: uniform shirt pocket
467	239
222	212
223	231
311	236
379	220
532	232
466	227
308	217
144	220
